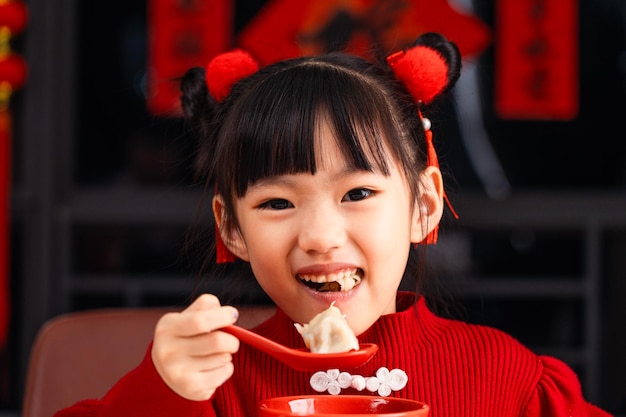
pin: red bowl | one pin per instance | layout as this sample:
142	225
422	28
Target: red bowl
341	405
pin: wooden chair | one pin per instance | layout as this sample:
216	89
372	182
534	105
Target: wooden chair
80	355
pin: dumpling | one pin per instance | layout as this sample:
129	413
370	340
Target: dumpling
328	332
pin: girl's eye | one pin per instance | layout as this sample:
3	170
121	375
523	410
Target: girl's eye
276	204
357	194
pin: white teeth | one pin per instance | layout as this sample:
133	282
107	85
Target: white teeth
334	277
345	280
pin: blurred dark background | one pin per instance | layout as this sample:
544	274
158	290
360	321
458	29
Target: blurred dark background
103	195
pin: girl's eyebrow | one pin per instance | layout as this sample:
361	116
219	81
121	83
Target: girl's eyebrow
287	181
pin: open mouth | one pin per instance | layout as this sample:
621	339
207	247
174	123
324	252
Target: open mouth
340	281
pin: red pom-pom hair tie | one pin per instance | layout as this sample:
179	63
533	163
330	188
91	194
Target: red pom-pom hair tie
225	70
424	73
222	73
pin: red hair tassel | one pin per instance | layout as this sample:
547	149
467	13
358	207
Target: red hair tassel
222	254
432	160
424	73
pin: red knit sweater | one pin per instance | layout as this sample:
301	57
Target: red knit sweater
456	368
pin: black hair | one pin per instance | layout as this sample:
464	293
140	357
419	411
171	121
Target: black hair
267	125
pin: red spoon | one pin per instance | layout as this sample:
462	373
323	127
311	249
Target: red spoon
303	359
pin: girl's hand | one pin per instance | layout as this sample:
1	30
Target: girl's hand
189	352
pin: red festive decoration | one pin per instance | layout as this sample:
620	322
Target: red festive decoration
13	72
536	59
13	16
182	34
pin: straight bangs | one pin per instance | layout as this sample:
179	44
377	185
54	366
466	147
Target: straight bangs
279	121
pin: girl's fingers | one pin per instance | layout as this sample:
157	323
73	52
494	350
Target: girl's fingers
209	343
172	349
203	316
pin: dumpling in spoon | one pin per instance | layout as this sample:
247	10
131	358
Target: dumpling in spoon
328	332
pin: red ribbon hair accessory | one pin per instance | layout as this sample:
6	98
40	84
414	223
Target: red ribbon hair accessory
226	69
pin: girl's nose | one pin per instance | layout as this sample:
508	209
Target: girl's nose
321	231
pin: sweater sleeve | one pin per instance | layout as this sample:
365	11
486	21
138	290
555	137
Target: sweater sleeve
558	393
139	393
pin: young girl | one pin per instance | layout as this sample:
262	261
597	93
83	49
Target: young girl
325	181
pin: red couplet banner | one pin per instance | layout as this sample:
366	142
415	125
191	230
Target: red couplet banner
182	34
536	59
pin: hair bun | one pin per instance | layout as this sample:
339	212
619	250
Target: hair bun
226	69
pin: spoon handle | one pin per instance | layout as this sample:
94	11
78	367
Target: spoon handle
266	345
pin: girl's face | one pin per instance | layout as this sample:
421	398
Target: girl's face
339	235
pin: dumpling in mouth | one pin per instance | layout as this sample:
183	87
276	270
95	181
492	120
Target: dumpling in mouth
328	332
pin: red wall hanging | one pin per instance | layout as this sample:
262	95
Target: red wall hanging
182	34
536	59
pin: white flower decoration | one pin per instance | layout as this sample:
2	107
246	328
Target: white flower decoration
372	384
324	381
384	382
388	381
358	382
344	380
